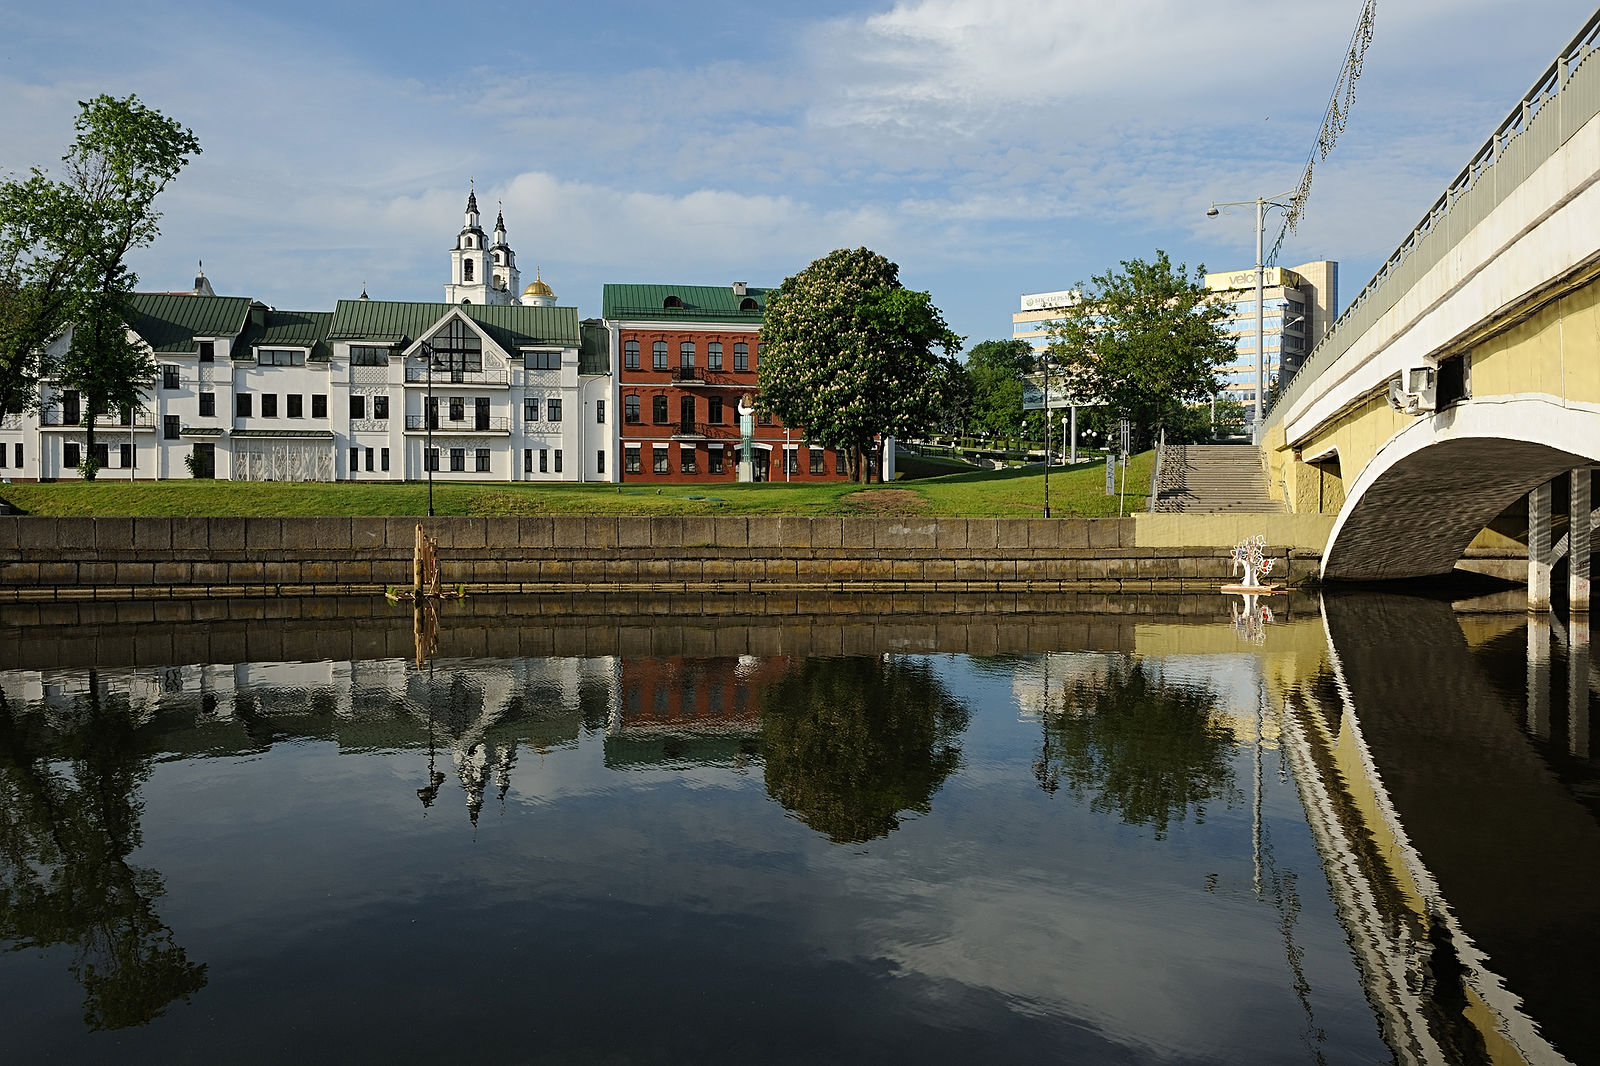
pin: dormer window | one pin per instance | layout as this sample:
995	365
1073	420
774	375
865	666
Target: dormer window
672	302
749	304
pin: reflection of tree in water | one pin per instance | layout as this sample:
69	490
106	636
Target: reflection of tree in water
1145	749
851	743
65	837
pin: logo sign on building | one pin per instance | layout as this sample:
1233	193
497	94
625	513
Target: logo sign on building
1271	277
1060	397
1039	301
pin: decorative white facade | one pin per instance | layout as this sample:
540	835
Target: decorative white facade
484	387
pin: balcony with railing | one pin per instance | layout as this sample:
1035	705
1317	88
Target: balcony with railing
56	419
418	375
490	424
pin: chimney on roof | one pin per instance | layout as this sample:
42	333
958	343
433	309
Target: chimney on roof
740	288
202	287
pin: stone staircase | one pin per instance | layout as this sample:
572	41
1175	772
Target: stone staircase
1216	478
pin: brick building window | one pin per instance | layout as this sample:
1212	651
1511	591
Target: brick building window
630	460
686	354
630	410
658	410
658	355
714	355
660	463
818	462
630	355
686	461
741	356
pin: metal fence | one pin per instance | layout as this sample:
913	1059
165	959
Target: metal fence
1563	99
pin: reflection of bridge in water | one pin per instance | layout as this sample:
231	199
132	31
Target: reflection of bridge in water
1462	867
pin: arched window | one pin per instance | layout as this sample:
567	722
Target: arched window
672	301
749	304
466	270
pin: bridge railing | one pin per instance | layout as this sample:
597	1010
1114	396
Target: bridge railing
1561	101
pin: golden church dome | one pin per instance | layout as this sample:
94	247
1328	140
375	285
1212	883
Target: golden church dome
538	288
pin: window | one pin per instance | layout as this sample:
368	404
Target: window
630	460
169	427
818	461
714	461
541	360
169	376
69	454
368	355
280	357
659	460
483	460
269	405
757	361
714	355
380	407
457	348
466	265
600	461
458	459
600	412
430	459
383	458
241	405
630	410
295	405
369	460
544	461
527	460
672	302
432	407
69	408
714	410
686	354
658	410
319	406
763	418
355	461
208	351
686	407
686	461
18	463
2	456
558	460
125	455
553	409
358	407
102	455
458	409
208	404
791	461
741	356
630	355
530	409
658	355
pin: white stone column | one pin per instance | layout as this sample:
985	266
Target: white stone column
1578	541
1539	675
1539	548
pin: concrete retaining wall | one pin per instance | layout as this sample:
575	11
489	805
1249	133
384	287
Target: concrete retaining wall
58	557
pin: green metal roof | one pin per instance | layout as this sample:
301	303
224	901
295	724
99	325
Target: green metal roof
594	357
170	322
701	303
511	326
291	329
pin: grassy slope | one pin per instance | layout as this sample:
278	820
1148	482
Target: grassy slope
1006	493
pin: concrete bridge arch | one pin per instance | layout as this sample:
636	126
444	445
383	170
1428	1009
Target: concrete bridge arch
1413	509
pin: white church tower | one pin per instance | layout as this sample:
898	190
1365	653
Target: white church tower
480	272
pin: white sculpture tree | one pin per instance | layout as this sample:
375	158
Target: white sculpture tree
1250	554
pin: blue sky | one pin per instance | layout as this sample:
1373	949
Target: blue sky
989	148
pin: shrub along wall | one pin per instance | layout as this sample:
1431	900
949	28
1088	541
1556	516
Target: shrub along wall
290	556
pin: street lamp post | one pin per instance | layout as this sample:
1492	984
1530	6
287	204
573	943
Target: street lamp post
425	350
1047	434
1261	203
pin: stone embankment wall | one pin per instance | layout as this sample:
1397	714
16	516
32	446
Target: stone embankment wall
176	557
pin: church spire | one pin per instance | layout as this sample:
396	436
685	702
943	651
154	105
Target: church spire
472	196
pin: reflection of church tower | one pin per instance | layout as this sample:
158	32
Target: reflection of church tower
481	273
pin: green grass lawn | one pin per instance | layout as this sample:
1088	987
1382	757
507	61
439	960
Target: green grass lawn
997	494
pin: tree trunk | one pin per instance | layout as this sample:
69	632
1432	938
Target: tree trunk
88	466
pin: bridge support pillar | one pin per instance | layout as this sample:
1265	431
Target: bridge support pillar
1578	541
1540	549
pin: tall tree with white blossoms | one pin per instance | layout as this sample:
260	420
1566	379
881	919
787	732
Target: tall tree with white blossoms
848	353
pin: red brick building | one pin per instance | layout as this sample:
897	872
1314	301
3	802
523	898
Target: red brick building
685	356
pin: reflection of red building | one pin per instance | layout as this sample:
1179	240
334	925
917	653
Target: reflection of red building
685	355
696	694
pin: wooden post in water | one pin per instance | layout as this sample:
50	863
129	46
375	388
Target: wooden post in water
416	562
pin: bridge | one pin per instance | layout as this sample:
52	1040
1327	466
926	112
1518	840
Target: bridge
1464	378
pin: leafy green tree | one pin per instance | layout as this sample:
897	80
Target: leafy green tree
851	744
997	369
1139	747
1142	338
848	354
63	256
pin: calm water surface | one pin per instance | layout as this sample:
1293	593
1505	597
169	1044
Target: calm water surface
1365	832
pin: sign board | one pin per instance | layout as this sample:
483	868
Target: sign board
1111	474
1271	277
1126	430
1038	301
1033	394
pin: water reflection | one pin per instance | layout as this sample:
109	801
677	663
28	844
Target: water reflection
70	816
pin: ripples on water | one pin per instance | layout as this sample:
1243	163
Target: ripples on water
1163	844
